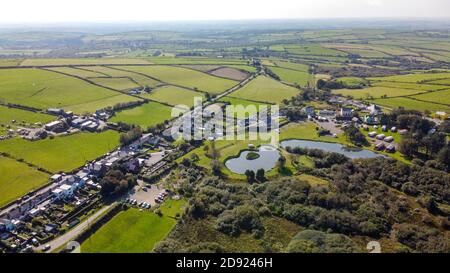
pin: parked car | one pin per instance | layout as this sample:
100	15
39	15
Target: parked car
46	248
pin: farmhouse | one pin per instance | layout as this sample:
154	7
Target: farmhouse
6	225
310	111
374	110
55	126
327	112
55	111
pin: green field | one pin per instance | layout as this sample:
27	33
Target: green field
352	81
130	231
442	97
81	61
313	49
89	107
414	78
376	92
245	103
17	179
408	103
62	153
7	115
292	76
77	72
121	84
146	115
174	95
186	77
44	89
9	62
403	85
264	89
141	80
293	66
196	60
443	82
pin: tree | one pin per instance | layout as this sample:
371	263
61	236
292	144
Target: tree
130	136
250	176
215	167
355	136
281	162
260	175
443	157
408	147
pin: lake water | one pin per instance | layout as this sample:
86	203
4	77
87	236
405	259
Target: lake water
268	157
330	147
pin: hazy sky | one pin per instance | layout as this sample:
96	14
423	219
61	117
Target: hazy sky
20	11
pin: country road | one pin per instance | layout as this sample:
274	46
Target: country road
70	235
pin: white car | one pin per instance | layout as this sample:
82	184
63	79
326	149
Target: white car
46	248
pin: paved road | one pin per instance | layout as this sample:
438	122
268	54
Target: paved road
68	236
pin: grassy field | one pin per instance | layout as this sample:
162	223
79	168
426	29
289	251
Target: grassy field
7	115
414	86
121	84
292	76
146	115
117	72
312	180
313	49
265	89
173	95
412	104
90	107
196	60
62	153
173	208
130	231
242	102
77	72
376	92
9	62
414	78
442	97
44	89
351	81
250	69
293	66
17	179
186	77
307	131
443	82
81	61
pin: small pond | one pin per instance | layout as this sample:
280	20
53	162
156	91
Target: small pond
267	160
330	147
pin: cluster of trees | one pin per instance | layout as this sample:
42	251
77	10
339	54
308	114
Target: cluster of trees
424	141
117	181
411	179
361	200
253	177
329	84
132	135
314	241
355	136
272	74
322	159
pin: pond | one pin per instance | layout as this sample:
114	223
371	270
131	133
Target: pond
267	160
330	147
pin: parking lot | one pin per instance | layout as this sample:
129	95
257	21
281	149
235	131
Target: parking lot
144	193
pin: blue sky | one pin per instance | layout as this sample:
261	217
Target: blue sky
19	11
